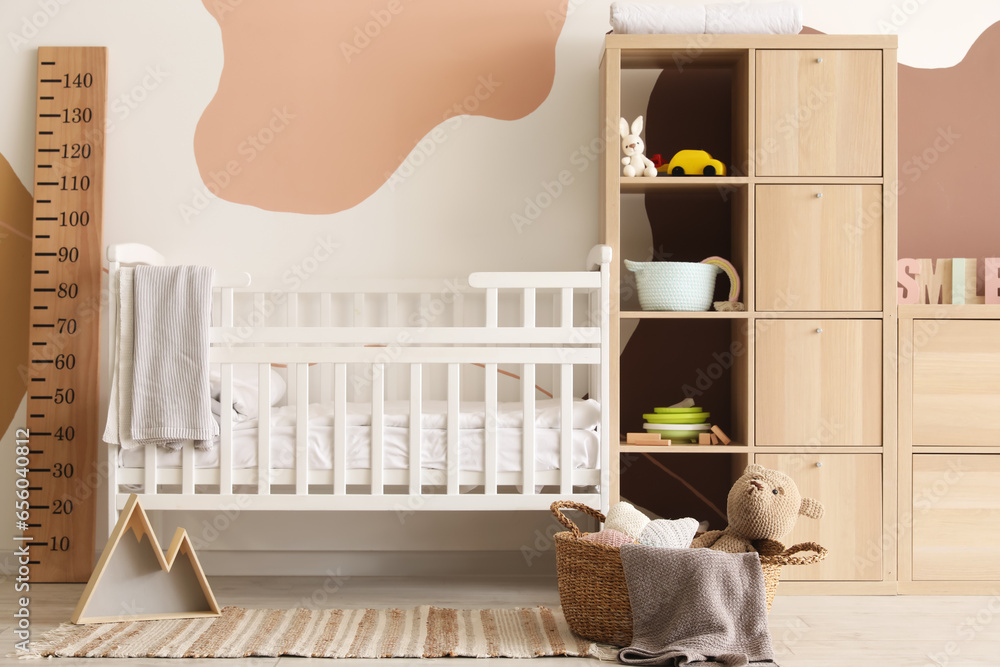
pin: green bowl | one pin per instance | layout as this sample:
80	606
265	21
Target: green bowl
677	435
692	418
675	411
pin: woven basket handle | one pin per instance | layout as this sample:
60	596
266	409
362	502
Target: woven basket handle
560	505
787	557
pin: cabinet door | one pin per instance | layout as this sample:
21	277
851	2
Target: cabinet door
819	113
956	512
818	382
819	247
956	382
850	488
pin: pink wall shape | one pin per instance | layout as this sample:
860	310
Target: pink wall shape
949	155
319	102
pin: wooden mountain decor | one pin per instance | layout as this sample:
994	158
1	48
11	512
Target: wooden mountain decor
135	581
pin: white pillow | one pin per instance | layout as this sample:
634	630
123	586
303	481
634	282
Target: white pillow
245	388
676	534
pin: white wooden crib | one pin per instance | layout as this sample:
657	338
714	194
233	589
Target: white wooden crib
399	346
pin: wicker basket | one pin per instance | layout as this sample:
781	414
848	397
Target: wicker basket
674	285
592	588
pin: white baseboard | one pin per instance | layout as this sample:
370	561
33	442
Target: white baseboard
378	563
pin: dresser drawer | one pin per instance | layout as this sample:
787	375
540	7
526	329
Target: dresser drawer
956	383
819	113
956	517
850	488
819	247
818	382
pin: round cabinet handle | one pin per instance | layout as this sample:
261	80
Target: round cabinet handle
819	195
819	60
819	330
819	464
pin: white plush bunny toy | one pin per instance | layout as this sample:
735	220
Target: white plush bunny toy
636	164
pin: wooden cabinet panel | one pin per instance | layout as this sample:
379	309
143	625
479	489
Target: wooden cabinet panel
956	382
819	113
956	516
850	487
818	382
819	247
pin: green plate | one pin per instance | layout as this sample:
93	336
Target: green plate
675	411
676	435
683	418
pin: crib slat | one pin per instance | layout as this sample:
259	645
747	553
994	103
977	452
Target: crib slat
528	308
378	427
492	306
567	306
325	371
566	429
292	320
392	370
259	318
490	451
416	426
454	406
264	429
149	471
357	320
302	432
340	430
187	468
528	430
226	420
226	300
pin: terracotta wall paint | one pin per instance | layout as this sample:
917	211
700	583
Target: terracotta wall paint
319	102
15	258
949	152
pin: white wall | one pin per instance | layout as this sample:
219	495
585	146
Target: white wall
452	216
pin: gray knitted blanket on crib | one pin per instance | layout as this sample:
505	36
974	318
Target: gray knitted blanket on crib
171	401
695	607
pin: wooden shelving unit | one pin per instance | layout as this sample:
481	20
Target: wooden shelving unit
803	380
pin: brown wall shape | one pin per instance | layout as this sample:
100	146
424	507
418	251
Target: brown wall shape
949	152
15	268
319	102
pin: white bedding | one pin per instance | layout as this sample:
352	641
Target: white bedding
434	441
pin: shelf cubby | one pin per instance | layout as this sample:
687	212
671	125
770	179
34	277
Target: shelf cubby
682	484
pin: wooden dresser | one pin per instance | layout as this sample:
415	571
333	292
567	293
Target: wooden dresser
949	449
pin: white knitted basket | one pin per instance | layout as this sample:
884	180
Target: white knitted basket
674	285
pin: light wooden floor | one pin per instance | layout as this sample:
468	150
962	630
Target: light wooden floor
807	631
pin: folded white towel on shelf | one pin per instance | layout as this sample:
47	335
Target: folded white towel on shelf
646	18
172	312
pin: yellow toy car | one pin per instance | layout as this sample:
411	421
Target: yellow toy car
693	163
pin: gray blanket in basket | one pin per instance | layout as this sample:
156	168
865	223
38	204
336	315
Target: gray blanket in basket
695	606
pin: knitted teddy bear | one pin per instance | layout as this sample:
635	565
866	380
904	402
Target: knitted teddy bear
763	505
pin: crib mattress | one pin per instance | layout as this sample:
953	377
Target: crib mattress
396	438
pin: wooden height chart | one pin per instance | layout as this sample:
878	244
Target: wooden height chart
63	360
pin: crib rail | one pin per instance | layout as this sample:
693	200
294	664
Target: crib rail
500	337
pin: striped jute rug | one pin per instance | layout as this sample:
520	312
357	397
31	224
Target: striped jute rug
424	632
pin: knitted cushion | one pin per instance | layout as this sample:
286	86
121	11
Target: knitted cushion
609	537
626	519
676	534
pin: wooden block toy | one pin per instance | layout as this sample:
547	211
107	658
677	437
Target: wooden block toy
992	274
934	281
704	439
907	270
721	435
715	438
643	439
